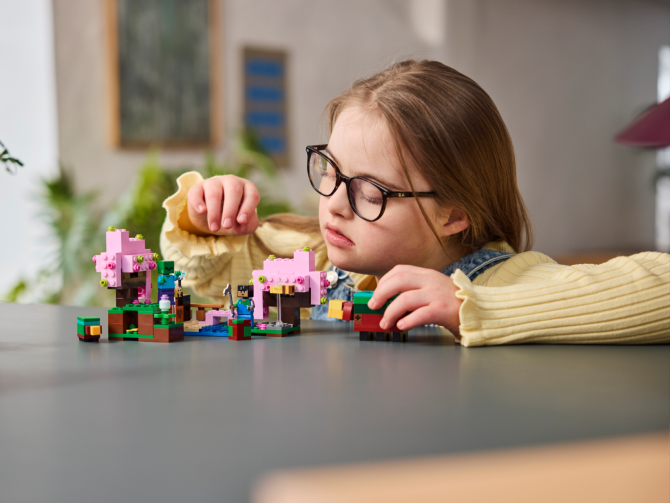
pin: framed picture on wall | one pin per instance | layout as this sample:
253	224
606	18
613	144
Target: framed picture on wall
265	100
164	70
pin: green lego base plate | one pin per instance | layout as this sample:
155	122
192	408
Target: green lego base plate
139	308
137	336
264	331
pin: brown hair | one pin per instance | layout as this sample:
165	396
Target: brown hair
447	127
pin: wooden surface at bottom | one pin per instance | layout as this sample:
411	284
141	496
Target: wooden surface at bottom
624	470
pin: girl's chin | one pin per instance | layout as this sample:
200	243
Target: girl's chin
347	261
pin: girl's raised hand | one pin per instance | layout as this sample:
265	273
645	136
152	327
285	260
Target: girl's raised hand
428	295
224	205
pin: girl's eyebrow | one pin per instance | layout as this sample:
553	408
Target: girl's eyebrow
368	176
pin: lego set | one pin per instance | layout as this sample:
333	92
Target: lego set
287	284
126	266
366	320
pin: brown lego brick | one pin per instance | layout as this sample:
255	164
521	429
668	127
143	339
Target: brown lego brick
269	300
200	315
300	299
168	334
115	318
180	314
145	329
125	296
134	282
88	338
116	328
187	307
290	315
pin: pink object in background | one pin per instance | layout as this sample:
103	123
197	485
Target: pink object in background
651	129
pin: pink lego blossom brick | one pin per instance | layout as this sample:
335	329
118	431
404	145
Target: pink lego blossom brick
298	271
119	241
123	255
214	316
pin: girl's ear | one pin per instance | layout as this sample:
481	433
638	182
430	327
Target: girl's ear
458	221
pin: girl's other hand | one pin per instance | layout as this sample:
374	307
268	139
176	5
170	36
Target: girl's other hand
428	295
224	205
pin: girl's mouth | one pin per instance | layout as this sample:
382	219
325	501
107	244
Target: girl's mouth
337	239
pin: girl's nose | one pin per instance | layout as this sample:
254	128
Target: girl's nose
338	203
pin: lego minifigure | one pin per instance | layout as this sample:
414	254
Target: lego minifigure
244	306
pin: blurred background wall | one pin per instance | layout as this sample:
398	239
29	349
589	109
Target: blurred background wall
567	75
29	129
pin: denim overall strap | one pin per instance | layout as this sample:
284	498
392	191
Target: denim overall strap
477	262
341	288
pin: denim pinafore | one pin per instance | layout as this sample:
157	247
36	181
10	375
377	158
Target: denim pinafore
472	265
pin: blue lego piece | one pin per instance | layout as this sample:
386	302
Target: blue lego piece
218	330
90	322
166	281
244	311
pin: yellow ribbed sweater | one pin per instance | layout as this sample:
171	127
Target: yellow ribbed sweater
528	298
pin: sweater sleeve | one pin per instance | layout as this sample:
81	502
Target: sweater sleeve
530	298
211	262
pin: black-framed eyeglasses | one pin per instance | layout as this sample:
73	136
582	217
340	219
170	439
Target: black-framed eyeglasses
367	198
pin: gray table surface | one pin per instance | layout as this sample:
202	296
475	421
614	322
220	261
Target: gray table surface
202	420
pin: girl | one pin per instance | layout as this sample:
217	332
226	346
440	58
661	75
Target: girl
419	198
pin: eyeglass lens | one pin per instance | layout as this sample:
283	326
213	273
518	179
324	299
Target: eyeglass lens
366	199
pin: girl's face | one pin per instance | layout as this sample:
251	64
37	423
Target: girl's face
361	145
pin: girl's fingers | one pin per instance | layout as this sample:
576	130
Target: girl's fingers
397	280
423	316
250	201
196	198
427	315
406	302
233	191
213	196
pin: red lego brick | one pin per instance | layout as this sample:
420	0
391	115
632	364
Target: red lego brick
347	309
240	331
370	323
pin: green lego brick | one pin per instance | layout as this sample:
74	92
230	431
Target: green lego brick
363	297
364	309
140	336
88	319
238	321
247	332
171	325
115	310
81	330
